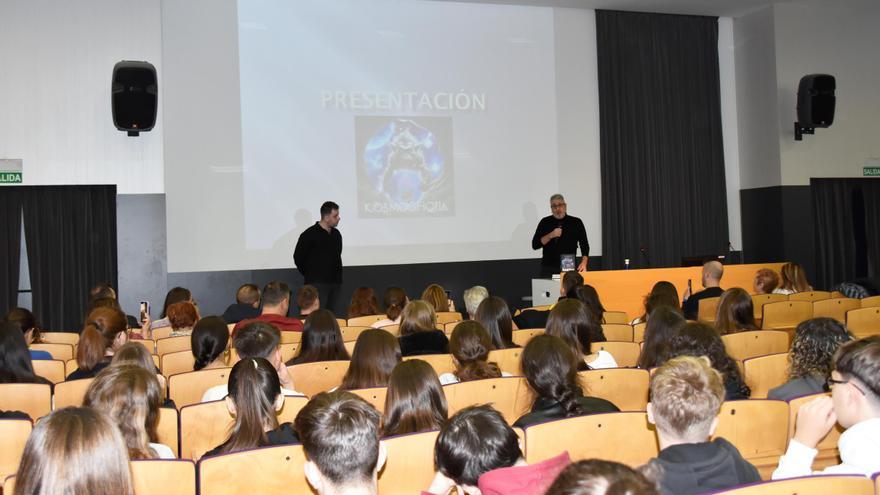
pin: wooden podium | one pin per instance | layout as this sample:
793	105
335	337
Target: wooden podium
625	290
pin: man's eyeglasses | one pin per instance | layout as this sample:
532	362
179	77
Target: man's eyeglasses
557	205
830	382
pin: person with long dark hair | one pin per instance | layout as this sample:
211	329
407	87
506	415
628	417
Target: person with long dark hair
470	346
811	357
394	299
103	333
550	367
375	355
363	303
26	323
699	339
663	323
321	340
415	400
735	312
15	360
570	321
254	399
587	294
210	343
494	315
662	294
175	295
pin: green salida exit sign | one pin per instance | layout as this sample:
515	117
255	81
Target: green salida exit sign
872	171
10	171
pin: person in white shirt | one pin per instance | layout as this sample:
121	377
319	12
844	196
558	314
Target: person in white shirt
257	339
854	403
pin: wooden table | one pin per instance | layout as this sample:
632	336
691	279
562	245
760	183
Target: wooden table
625	290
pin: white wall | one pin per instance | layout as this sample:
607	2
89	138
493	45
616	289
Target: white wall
837	38
56	60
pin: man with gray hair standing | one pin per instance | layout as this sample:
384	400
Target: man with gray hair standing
560	234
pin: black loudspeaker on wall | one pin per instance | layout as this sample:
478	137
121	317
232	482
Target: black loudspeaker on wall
134	96
815	104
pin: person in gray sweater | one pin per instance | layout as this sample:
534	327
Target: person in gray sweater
686	398
814	344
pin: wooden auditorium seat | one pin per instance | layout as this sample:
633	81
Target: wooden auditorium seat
835	308
177	362
506	395
68	338
163	477
449	327
639	332
50	369
364	321
173	344
392	329
618	332
757	427
290	337
785	315
744	345
148	343
626	388
863	322
351	333
313	378
871	302
34	399
259	471
706	309
811	296
808	485
522	337
288	352
409	467
62	352
448	317
161	333
615	317
442	363
759	300
187	388
14	434
507	359
828	454
375	396
626	354
624	437
763	373
71	393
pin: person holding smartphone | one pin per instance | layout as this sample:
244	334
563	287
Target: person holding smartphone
711	281
560	234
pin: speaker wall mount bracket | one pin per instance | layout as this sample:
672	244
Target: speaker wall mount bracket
800	130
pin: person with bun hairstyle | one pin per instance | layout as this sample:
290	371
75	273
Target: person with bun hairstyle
494	315
550	367
395	299
254	400
103	333
131	395
598	477
470	346
375	355
210	343
74	451
415	400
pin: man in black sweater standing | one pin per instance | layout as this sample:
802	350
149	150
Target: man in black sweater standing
318	255
560	234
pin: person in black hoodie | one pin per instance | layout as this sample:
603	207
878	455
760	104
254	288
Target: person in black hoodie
254	400
686	398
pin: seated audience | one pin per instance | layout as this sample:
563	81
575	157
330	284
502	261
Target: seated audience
662	294
766	281
854	404
735	312
276	303
663	323
340	437
415	401
254	401
247	304
710	280
23	320
321	340
570	282
435	295
587	294
813	348
470	346
494	316
686	398
105	290
478	452
550	367
699	339
418	331
103	334
363	303
134	354
570	322
183	316
375	355
794	279
75	451
395	299
15	360
175	295
472	299
131	395
597	477
307	300
257	340
210	343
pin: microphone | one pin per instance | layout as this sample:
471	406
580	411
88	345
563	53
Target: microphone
645	255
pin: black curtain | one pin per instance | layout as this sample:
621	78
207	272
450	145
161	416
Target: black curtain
662	156
70	232
846	217
10	247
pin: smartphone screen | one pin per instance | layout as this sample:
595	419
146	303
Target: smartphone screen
145	310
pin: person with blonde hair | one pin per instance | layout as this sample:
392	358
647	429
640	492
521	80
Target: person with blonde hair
794	279
435	295
735	313
472	299
131	395
134	354
686	397
74	451
418	332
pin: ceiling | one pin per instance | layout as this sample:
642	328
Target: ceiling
721	8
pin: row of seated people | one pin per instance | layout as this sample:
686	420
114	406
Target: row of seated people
687	395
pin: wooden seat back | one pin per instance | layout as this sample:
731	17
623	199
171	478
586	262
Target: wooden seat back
50	369
759	300
173	344
266	470
375	396
871	302
809	485
187	388
351	333
626	354
503	394
707	308
364	321
71	393
639	332
163	477
522	337
68	338
409	467
507	359
763	373
313	378
14	433
811	296
62	352
745	345
785	314
615	317
626	388
161	332
863	322
835	308
177	362
757	428
442	363
34	399
618	332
